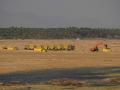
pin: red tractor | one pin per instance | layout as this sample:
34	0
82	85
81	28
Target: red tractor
96	48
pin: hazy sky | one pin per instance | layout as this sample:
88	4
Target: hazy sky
60	13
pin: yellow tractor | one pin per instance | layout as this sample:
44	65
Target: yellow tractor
39	49
30	47
69	47
10	48
106	49
51	47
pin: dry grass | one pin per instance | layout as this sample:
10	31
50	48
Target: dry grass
21	60
51	87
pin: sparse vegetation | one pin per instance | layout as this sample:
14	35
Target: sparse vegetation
53	87
58	33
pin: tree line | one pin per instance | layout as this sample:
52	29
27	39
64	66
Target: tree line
58	33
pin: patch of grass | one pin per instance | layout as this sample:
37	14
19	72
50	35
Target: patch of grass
114	75
54	87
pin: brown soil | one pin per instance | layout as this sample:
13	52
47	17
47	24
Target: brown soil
21	60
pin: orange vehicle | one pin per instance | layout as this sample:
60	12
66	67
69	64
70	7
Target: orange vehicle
96	48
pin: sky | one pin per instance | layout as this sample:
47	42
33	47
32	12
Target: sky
60	13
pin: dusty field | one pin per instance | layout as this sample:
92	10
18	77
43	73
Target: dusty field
21	60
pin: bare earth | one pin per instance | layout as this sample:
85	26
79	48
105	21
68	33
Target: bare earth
21	60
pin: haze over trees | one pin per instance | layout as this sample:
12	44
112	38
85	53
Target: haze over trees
58	33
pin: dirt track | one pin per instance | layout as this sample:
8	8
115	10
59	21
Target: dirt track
21	60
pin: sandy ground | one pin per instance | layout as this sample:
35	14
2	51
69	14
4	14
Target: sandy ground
21	60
